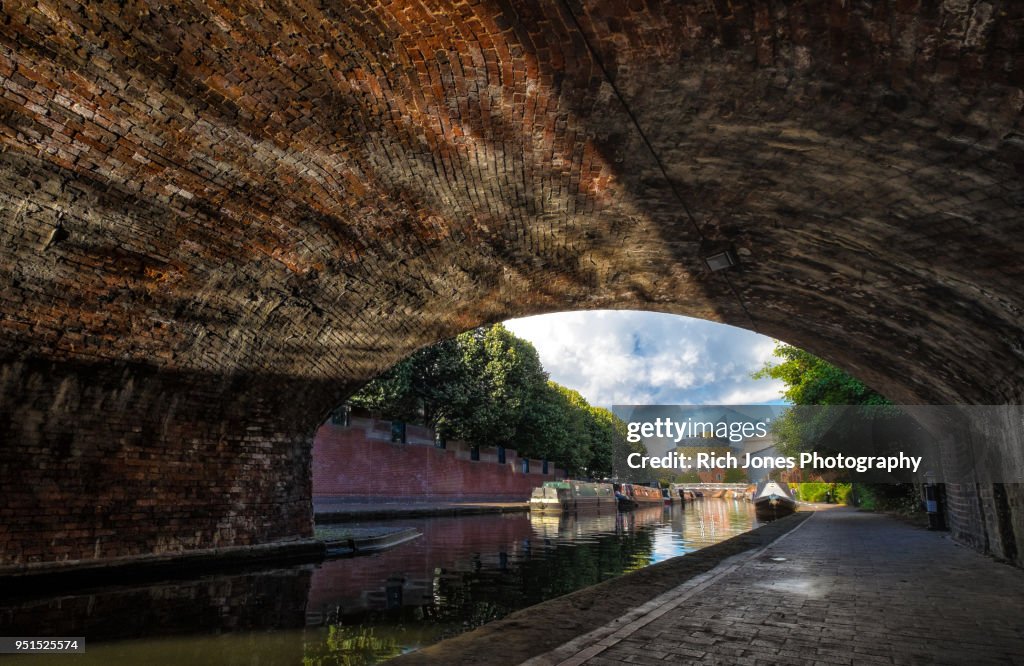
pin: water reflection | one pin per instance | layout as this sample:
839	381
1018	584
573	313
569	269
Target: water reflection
465	572
224	619
462	573
703	523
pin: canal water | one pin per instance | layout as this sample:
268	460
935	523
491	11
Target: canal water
462	573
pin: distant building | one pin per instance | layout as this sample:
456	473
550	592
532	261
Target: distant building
717	448
759	447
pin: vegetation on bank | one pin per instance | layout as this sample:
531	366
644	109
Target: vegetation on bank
811	381
488	387
898	497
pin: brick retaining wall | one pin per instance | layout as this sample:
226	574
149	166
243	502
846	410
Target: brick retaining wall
361	462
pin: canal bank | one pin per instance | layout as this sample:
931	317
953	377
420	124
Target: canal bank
546	626
328	512
329	541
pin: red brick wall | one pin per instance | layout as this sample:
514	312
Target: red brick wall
115	460
360	461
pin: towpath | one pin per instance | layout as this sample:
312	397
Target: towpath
845	587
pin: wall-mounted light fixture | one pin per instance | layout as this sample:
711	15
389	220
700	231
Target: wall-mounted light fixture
722	260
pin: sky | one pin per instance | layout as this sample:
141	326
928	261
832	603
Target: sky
615	357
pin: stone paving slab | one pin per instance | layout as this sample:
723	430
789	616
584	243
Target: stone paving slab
846	587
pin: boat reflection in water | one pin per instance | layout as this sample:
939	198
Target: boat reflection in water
702	523
462	573
570	526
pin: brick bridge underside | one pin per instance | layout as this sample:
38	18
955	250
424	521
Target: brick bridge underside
220	219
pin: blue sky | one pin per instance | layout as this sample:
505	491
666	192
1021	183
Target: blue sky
626	357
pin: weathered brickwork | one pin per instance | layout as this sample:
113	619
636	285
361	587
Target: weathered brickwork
983	512
223	216
116	460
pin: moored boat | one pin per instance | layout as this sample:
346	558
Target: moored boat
773	500
630	496
668	497
569	496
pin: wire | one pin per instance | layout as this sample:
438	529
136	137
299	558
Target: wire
650	147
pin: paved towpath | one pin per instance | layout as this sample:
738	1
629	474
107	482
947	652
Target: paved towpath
843	588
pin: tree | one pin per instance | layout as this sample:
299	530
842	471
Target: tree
607	432
488	387
547	432
390	393
501	374
554	429
813	381
438	382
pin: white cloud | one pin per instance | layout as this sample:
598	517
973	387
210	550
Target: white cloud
623	357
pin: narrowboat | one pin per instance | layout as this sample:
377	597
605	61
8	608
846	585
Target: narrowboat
630	496
773	500
570	496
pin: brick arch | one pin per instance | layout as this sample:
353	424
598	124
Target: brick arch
218	220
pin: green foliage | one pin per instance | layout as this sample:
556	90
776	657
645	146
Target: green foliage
812	491
899	497
606	430
351	646
553	429
390	392
488	387
501	375
812	381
